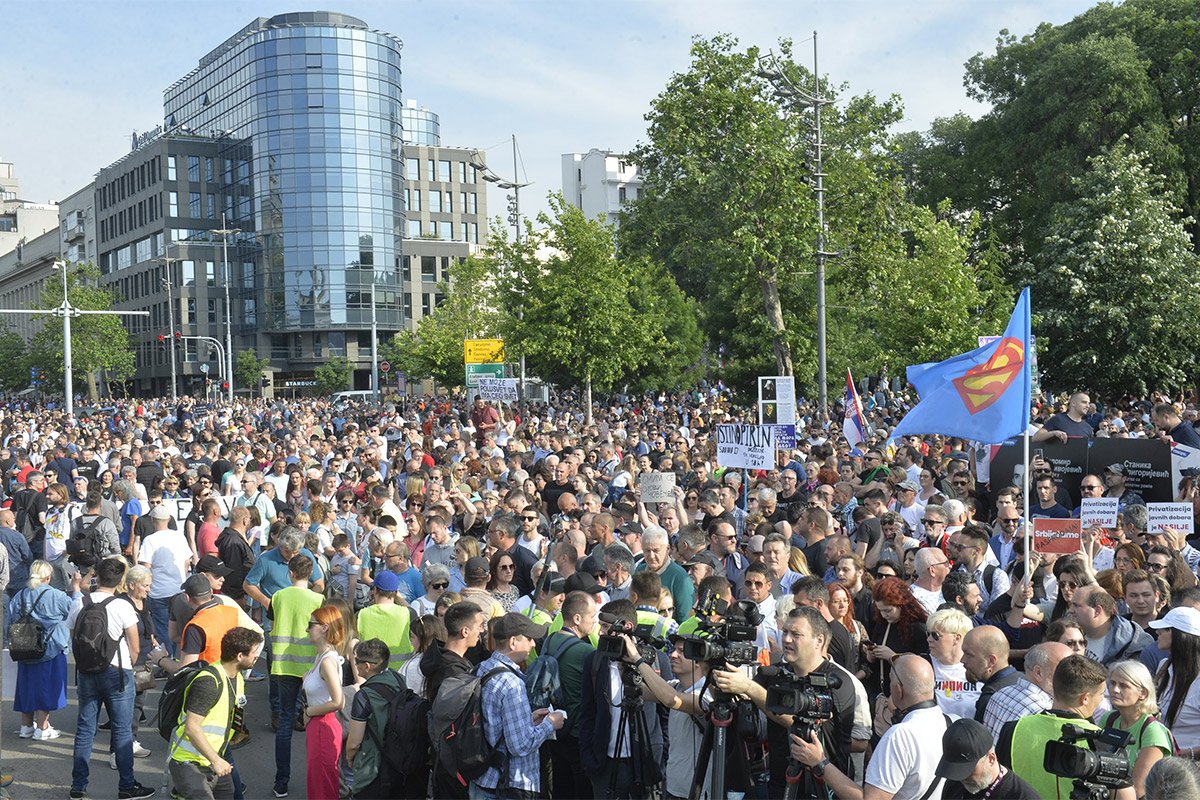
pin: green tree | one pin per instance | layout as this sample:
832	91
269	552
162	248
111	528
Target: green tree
334	375
14	360
99	343
249	369
1114	284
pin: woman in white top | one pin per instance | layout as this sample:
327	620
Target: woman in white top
956	696
323	692
1177	684
423	632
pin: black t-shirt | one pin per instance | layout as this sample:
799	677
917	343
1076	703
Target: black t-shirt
815	554
841	646
1009	787
1062	422
835	739
203	693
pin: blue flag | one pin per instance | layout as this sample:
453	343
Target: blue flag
982	395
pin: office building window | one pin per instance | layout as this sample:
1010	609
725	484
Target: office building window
435	202
621	193
171	176
474	204
416	200
444	171
189	273
194	169
429	269
212	312
412	169
406	268
208	169
462	172
432	174
173	204
210	273
212	206
432	230
449	202
474	233
194	204
189	317
465	232
414	229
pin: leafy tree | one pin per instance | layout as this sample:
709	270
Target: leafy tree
334	375
14	360
249	369
98	342
1114	284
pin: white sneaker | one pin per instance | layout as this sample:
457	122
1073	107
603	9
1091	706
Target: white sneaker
112	760
45	734
139	751
25	732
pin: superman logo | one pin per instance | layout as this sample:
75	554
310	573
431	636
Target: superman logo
981	386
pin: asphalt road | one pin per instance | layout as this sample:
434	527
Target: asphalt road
42	770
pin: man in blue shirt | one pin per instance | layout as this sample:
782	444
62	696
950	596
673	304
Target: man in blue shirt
399	563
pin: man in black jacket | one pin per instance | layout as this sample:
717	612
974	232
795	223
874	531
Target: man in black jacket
464	625
502	535
236	552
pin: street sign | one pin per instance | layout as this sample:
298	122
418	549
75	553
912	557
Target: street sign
477	371
483	351
204	368
384	366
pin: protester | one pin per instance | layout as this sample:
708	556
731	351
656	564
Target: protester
42	682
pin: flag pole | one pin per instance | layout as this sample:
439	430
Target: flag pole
1025	496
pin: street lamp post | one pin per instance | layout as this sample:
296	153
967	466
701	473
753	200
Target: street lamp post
225	233
374	346
168	285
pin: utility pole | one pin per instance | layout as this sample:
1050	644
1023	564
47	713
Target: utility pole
168	284
374	345
225	233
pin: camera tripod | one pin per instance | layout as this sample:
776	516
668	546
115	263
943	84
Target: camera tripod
632	719
714	750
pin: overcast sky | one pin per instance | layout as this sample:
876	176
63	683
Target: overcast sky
563	76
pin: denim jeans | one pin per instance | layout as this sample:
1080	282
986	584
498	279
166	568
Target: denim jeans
289	698
114	690
160	613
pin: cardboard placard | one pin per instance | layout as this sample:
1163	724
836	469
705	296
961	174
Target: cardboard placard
785	437
1056	535
498	390
1100	512
657	487
1179	516
746	446
777	400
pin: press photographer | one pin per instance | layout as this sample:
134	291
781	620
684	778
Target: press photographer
805	636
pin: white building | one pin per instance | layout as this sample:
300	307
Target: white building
600	182
21	221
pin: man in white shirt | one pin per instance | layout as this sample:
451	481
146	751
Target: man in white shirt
932	567
169	557
904	762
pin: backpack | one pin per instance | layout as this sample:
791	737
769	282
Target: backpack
24	522
456	728
93	647
27	636
404	749
84	548
989	574
542	679
174	696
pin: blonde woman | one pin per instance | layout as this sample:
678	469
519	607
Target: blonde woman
1135	709
42	684
945	632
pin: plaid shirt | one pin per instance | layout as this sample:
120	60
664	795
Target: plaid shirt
506	713
1013	702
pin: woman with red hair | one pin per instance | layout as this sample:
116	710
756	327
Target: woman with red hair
898	628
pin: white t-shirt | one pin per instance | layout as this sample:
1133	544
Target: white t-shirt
904	762
121	615
167	554
955	695
684	732
1187	722
929	600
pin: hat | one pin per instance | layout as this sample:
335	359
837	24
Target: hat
908	486
1182	618
582	582
477	567
212	564
512	624
197	586
160	512
959	455
706	558
755	543
631	528
552	583
963	744
1115	469
387	581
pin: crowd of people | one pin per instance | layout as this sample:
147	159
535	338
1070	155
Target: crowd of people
858	621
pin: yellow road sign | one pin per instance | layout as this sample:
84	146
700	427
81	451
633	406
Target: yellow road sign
483	351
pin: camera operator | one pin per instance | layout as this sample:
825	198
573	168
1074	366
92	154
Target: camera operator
805	635
1079	684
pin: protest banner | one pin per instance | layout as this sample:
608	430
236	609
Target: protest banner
1147	464
657	487
1184	459
1056	535
746	446
498	390
1099	512
1179	516
1069	462
776	400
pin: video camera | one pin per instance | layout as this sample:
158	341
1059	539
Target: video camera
726	643
808	699
612	645
1094	773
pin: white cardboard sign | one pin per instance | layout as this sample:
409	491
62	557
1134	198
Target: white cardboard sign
502	390
1099	512
746	446
1171	515
657	487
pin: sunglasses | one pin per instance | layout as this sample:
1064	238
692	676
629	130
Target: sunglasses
365	662
439	585
936	636
507	566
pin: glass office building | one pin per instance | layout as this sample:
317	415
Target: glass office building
306	109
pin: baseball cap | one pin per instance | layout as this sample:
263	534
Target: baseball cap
1182	618
963	744
160	512
910	486
197	586
582	582
387	581
213	564
706	558
518	625
755	543
1115	469
477	567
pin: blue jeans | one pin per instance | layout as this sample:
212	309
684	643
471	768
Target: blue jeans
160	613
114	690
289	698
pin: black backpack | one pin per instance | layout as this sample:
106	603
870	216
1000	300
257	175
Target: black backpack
24	522
93	647
174	696
404	750
27	636
456	728
84	548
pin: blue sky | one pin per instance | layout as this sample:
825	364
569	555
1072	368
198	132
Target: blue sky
563	76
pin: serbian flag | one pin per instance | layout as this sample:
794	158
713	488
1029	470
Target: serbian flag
854	426
981	395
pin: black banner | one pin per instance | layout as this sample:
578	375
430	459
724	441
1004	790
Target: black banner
1147	463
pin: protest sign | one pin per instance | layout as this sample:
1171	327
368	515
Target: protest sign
1069	461
1171	515
746	446
777	400
498	390
1147	464
1184	459
657	487
785	437
1056	535
1100	512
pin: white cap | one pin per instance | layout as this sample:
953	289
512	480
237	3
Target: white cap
1182	618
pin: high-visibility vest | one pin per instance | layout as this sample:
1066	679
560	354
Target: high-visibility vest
390	624
539	616
218	722
292	652
1029	739
215	621
657	624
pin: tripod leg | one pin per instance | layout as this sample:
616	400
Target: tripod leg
702	759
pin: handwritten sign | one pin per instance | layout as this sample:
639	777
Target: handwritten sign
657	487
746	446
785	437
1056	535
1171	515
498	389
1099	512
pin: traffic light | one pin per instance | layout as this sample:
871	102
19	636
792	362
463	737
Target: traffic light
178	340
162	342
224	386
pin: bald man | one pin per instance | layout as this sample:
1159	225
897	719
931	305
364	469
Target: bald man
985	658
1032	693
903	764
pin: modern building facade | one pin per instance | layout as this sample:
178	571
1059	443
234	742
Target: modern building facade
20	220
600	182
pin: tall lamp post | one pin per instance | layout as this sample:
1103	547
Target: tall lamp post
225	233
168	285
514	214
794	98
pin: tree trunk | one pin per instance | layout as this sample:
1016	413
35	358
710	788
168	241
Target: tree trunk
93	389
768	281
587	401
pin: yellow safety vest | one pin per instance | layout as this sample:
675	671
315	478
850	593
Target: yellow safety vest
292	652
657	624
390	624
1028	751
218	722
539	616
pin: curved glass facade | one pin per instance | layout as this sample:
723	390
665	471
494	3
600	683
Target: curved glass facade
310	105
421	126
